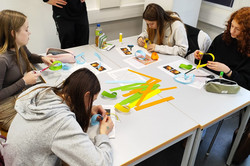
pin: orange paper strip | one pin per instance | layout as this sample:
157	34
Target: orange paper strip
154	103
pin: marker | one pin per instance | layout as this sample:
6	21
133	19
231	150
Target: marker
130	47
221	74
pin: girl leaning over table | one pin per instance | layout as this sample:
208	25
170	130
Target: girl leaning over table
51	125
165	31
232	49
15	58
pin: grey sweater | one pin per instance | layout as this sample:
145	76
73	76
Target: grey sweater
45	130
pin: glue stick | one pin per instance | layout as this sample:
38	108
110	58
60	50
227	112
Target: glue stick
221	74
120	37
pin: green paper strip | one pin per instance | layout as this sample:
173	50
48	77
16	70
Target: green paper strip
122	87
109	95
56	65
187	67
136	96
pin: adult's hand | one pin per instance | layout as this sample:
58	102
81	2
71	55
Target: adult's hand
106	125
31	77
57	3
47	60
140	42
198	55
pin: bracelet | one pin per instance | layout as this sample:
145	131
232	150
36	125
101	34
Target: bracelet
228	72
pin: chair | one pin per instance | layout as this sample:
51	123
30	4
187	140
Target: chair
197	40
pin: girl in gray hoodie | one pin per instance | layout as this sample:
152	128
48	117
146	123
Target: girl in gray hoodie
51	124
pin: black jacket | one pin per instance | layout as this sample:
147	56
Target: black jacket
74	10
230	56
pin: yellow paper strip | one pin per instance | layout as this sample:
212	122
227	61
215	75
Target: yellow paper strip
149	95
154	103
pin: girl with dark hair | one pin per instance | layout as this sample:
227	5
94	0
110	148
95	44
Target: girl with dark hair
15	59
165	31
52	122
232	49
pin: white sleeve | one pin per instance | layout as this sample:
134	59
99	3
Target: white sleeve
180	46
144	34
74	147
204	41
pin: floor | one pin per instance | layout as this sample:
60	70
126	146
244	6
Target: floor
218	154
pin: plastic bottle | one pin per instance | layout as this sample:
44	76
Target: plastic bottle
98	32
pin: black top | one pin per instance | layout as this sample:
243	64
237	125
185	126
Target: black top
230	56
74	10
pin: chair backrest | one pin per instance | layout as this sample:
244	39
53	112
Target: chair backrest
197	40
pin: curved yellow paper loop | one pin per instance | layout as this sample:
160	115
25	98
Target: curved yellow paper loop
121	108
203	65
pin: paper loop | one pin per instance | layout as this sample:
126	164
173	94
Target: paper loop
94	120
56	65
80	58
187	79
139	54
184	66
109	95
203	65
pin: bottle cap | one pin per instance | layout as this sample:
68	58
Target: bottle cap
98	25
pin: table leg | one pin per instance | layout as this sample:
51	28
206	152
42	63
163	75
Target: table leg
195	147
188	149
239	135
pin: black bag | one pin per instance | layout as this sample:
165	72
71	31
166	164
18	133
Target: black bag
243	149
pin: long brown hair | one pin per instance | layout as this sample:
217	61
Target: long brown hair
11	21
72	91
242	17
154	12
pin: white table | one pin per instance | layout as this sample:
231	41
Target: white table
203	107
139	134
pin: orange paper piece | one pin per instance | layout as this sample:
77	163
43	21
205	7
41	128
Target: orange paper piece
154	103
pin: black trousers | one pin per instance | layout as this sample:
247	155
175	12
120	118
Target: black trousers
72	33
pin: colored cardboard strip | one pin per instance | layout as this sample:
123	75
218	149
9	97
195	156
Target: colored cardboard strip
154	103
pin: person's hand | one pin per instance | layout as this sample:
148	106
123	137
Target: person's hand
106	125
217	66
57	3
140	42
47	60
198	55
151	47
82	1
31	77
98	110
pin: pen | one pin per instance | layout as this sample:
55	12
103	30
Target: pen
190	70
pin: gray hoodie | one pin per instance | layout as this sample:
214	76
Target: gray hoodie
45	130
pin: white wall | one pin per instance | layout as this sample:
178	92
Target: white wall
212	17
125	19
187	9
41	24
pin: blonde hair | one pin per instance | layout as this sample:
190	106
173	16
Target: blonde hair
11	21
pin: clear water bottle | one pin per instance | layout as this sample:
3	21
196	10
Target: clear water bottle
98	32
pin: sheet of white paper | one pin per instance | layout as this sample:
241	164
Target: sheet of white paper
124	74
199	82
